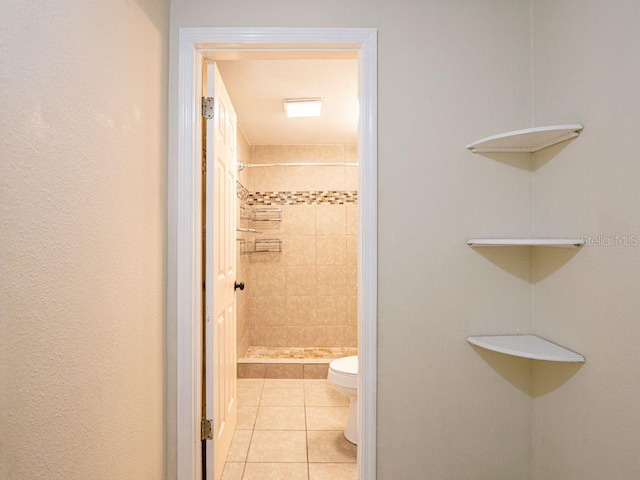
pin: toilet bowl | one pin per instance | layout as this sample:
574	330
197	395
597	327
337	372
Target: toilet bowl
343	376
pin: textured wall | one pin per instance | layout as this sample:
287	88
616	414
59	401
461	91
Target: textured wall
82	215
587	421
448	73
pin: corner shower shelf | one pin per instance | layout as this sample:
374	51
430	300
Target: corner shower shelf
527	346
526	242
526	140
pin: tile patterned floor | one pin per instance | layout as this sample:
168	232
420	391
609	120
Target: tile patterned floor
290	430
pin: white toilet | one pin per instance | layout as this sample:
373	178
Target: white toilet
343	375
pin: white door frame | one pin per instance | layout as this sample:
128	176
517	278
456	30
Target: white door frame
193	42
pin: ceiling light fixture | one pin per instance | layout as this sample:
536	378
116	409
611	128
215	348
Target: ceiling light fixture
303	107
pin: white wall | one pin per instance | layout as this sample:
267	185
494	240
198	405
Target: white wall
82	214
449	73
587	65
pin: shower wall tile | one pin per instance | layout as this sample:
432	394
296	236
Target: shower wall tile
351	211
331	250
299	179
352	335
329	153
271	311
332	310
351	154
269	336
352	280
351	178
243	344
246	179
304	296
332	280
251	308
266	154
267	258
300	249
330	178
268	280
352	249
301	280
331	219
269	179
301	310
243	298
300	219
333	336
352	310
299	153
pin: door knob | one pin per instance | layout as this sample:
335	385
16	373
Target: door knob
238	285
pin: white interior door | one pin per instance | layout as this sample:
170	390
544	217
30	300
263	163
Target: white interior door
220	275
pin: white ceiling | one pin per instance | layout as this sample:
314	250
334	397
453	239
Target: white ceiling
258	88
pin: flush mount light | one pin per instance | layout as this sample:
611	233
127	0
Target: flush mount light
303	107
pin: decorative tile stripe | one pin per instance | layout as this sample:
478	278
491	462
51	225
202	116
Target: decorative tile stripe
322	197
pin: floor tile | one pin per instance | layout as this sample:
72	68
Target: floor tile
250	382
275	471
333	471
247	417
249	395
239	446
283	383
326	418
281	418
233	471
281	397
321	394
278	446
330	447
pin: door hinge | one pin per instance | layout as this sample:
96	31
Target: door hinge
207	107
206	429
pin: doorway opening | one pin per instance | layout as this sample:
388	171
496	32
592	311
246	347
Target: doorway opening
297	196
197	46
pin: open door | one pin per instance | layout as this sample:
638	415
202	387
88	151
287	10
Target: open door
220	402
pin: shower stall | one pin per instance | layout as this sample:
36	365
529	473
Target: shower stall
297	250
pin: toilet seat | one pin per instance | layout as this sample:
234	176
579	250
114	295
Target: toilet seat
344	372
345	365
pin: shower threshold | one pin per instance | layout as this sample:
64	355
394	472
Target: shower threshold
290	362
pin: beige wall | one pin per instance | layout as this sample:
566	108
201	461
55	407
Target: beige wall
305	296
587	422
82	216
448	73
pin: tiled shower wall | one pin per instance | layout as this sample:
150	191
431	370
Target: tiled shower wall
243	310
305	296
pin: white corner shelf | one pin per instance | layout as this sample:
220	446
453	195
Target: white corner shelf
527	346
526	140
526	242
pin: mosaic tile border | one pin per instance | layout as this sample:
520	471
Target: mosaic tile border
299	352
318	197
